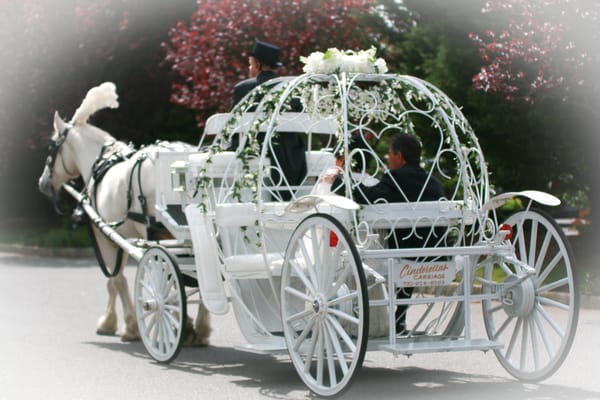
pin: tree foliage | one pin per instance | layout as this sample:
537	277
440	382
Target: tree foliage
209	53
537	45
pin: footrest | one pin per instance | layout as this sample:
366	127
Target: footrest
264	348
409	348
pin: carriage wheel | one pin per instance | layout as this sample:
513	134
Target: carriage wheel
324	304
536	317
160	304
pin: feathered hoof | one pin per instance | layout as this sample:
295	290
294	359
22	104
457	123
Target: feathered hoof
107	325
130	337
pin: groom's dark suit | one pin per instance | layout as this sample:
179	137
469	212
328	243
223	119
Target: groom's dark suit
288	148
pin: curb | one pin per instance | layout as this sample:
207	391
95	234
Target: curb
64	252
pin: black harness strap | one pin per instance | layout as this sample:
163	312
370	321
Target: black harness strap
100	259
99	169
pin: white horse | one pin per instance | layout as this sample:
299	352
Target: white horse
74	148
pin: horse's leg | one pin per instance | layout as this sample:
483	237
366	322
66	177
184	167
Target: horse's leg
130	332
117	286
202	326
107	323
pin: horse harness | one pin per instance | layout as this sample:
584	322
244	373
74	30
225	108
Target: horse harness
107	159
53	149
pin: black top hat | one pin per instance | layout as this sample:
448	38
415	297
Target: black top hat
266	53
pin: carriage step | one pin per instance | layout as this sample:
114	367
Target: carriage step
264	348
409	348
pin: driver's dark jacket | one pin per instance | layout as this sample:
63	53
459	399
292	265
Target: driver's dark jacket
288	148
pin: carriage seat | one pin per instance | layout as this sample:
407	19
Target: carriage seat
242	256
418	214
285	122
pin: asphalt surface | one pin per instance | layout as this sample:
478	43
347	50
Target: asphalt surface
49	350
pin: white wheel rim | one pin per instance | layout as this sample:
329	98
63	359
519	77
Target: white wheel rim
160	307
535	320
322	307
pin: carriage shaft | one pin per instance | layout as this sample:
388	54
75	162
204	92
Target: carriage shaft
104	227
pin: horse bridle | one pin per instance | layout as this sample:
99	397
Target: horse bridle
54	148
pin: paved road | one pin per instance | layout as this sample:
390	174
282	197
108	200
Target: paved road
49	350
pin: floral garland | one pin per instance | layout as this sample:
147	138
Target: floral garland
337	61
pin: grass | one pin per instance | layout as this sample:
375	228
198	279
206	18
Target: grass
51	233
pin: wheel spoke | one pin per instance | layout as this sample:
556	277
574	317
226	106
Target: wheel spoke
553	285
309	265
330	356
342	333
172	307
300	315
320	360
494	310
534	343
343	316
524	345
311	348
549	268
331	330
174	321
307	329
316	247
503	327
341	279
342	299
299	294
532	243
513	338
543	250
543	334
300	274
550	320
554	303
520	240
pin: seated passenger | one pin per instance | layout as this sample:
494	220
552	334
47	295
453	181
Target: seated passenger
406	181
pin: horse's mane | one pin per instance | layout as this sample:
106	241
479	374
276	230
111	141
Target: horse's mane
97	98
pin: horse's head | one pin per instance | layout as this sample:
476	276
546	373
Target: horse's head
71	142
60	165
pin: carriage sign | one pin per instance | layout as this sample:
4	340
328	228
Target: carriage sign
424	273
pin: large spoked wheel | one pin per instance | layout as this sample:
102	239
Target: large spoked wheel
160	304
536	314
324	304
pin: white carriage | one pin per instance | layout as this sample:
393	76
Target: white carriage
312	273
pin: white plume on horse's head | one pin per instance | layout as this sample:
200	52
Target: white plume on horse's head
97	98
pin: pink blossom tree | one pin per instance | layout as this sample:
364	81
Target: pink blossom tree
537	46
209	54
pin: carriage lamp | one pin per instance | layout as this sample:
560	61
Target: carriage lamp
178	169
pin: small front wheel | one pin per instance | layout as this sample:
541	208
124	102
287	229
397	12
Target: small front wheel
324	304
535	313
160	304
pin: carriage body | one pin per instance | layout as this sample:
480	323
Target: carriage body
315	273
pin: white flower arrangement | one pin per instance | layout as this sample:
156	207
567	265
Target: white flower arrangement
337	61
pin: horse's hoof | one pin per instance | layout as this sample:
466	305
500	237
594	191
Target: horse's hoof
129	337
107	325
106	332
201	342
